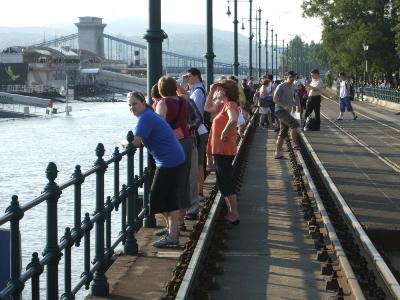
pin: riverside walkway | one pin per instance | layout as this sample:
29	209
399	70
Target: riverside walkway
305	231
276	251
269	255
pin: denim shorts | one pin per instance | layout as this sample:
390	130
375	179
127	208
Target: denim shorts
345	102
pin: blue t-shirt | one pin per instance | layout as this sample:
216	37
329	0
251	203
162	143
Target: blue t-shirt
159	139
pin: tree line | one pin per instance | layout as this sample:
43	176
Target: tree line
348	25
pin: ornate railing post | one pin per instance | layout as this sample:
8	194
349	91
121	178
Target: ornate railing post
141	158
131	246
109	249
123	212
87	223
118	158
67	268
100	283
77	204
35	263
149	221
52	235
18	214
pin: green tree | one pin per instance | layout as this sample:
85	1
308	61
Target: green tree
347	24
303	57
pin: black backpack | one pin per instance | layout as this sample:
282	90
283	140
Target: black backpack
206	115
311	124
351	90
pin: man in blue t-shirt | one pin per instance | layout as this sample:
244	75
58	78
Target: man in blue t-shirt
159	139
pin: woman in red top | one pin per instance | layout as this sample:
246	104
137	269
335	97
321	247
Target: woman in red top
222	140
175	110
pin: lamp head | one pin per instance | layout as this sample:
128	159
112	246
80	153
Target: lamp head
228	13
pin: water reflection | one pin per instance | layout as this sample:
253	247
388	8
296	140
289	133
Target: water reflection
26	147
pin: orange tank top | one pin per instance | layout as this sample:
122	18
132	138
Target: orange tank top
215	144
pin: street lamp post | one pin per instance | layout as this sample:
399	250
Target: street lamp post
272	52
250	40
287	57
365	47
251	36
283	58
259	43
210	50
235	39
276	55
154	36
266	48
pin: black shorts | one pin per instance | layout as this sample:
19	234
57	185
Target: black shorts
164	190
183	180
224	172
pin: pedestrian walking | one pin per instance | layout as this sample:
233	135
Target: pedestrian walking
313	104
264	101
344	95
284	99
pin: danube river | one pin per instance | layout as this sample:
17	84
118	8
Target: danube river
28	145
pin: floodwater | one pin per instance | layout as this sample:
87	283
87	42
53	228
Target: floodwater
28	145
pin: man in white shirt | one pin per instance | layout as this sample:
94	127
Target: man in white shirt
198	95
344	95
314	97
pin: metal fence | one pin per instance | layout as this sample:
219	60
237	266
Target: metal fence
387	94
133	211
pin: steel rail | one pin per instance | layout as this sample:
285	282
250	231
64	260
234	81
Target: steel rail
203	241
370	149
365	116
377	260
340	254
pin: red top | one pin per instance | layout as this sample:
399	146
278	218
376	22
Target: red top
172	114
215	144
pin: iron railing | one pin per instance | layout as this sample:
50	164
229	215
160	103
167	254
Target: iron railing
387	94
134	213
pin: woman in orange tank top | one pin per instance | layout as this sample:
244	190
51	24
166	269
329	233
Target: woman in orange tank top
222	140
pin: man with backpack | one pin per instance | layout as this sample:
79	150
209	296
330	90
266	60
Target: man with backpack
346	94
198	95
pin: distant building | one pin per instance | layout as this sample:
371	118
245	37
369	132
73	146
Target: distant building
90	30
43	69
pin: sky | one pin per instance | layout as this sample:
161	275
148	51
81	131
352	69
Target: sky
285	16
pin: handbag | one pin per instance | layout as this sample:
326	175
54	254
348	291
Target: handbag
241	119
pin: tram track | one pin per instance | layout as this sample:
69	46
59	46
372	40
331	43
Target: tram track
352	266
369	148
374	276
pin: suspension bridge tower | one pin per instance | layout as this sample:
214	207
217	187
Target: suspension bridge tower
90	30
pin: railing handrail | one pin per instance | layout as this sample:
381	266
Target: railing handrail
44	196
